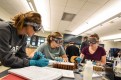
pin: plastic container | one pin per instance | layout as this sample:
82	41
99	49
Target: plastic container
88	71
117	67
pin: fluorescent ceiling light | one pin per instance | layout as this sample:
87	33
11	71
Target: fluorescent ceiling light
116	36
26	6
44	9
117	40
111	9
31	6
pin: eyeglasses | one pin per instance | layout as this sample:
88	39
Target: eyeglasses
92	41
35	26
58	40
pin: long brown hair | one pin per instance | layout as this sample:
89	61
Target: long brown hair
21	18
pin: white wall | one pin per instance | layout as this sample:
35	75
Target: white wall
118	44
111	44
45	34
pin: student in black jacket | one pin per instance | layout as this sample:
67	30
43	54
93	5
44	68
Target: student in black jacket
84	43
13	41
72	50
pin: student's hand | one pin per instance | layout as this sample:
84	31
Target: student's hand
78	59
58	59
94	63
40	62
65	59
37	55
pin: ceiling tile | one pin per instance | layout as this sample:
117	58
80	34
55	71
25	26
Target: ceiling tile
13	6
75	3
63	26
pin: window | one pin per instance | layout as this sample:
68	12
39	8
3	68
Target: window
33	43
41	40
28	40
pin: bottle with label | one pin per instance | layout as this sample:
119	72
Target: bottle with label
88	71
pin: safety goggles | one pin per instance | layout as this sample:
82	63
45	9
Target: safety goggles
35	26
92	41
58	40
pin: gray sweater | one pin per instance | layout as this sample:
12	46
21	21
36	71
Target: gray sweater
12	47
51	53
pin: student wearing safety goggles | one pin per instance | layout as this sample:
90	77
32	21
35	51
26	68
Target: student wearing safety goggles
53	48
93	52
13	41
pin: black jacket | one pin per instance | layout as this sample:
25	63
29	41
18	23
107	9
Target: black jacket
84	44
72	50
12	47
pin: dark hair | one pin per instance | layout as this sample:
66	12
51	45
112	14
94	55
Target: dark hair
53	35
71	42
1	19
21	18
95	35
86	38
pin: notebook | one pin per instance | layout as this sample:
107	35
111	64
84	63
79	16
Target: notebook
36	73
65	73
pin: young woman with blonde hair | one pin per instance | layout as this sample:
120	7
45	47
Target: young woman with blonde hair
53	48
